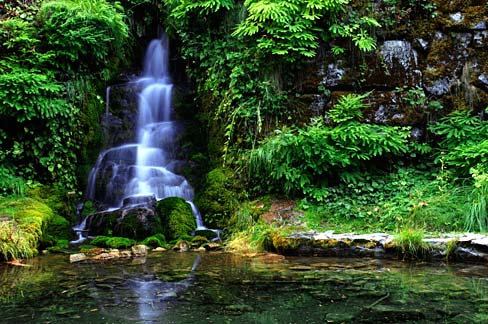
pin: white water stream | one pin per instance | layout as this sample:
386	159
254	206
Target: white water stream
132	172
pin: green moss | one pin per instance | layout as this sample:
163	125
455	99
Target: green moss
22	222
199	240
155	240
138	224
59	228
219	199
176	216
61	246
113	242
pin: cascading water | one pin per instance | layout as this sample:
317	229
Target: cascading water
133	174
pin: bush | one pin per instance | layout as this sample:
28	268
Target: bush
305	161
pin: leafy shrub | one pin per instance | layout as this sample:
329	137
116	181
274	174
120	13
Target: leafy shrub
10	184
463	140
82	34
43	124
476	218
305	160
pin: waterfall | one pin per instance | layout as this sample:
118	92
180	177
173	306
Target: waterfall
125	175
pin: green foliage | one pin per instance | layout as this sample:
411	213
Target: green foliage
11	184
356	29
387	202
113	242
303	161
181	8
348	107
476	218
83	34
411	244
287	28
247	92
463	140
258	238
43	118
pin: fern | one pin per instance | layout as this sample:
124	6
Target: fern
303	160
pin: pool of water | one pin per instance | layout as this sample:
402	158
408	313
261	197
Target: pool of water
174	287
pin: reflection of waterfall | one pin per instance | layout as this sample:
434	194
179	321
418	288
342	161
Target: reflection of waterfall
153	294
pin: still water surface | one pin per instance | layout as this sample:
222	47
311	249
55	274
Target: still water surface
173	287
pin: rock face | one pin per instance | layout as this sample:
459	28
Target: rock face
136	223
171	216
426	53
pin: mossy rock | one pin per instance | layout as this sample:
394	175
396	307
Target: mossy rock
176	217
23	222
135	223
60	246
113	242
157	240
220	198
59	228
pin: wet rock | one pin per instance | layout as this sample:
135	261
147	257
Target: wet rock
176	217
481	25
212	246
182	246
479	38
159	249
104	256
209	234
139	250
135	223
457	17
332	74
439	87
77	257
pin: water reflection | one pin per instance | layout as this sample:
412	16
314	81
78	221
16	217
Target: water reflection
221	288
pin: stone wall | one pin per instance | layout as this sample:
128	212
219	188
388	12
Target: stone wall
431	58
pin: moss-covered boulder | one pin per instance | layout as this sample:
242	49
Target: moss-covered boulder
220	197
113	242
157	240
135	223
23	222
176	216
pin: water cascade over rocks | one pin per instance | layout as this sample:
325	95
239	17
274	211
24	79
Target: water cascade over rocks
138	174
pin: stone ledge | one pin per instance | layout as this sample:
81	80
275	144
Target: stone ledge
466	247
